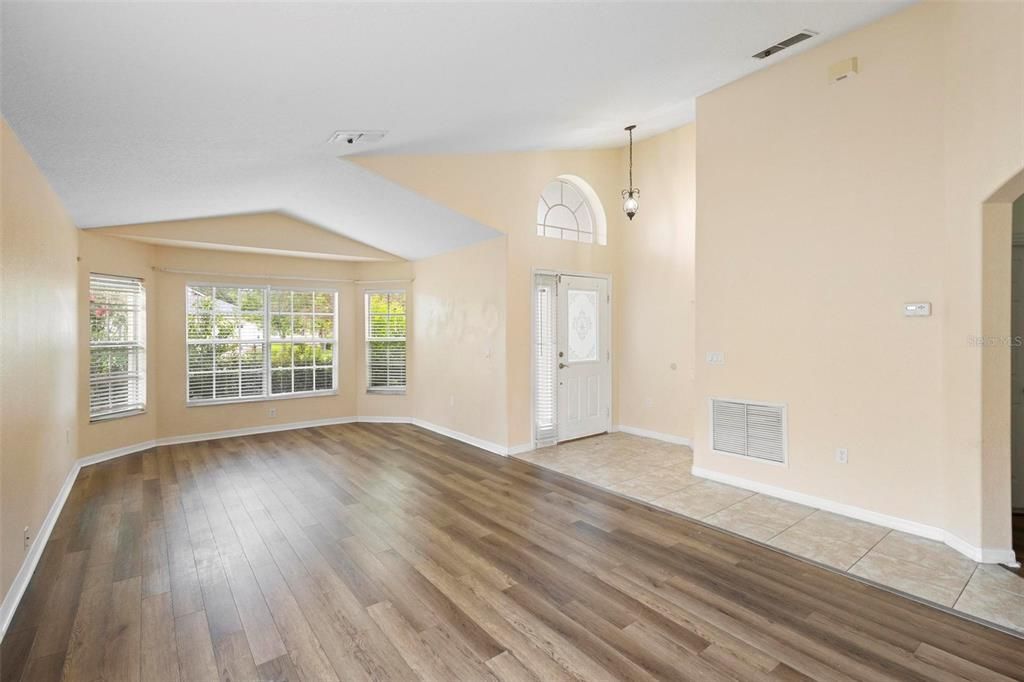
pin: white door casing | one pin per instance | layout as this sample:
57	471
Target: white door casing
584	356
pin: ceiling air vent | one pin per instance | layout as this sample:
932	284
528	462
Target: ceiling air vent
783	44
357	136
755	430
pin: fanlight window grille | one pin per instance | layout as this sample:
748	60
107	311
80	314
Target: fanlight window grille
563	212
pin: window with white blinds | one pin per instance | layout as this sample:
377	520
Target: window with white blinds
385	340
252	343
545	345
117	346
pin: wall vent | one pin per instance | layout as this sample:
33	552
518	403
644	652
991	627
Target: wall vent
783	44
755	430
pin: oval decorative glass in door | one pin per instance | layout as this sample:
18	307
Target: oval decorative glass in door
583	325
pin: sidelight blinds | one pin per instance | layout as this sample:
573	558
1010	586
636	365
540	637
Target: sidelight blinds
544	340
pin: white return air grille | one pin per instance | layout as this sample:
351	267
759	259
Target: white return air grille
747	429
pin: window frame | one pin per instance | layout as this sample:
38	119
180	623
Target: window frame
590	204
266	341
385	390
139	344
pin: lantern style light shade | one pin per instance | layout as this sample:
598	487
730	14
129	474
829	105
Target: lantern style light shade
631	195
630	202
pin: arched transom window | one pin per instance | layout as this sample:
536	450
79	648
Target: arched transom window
568	209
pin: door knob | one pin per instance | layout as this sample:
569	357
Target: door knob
562	365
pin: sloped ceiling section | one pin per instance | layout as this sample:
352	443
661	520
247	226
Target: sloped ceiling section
268	233
153	111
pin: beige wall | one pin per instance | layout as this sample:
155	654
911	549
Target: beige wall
110	256
655	289
820	214
167	270
174	417
501	191
38	362
458	376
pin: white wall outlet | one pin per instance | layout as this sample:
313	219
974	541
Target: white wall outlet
28	538
648	401
716	357
273	411
842	456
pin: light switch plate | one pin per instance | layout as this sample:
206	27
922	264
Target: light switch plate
917	309
716	358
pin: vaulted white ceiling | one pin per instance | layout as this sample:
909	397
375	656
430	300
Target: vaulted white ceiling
140	112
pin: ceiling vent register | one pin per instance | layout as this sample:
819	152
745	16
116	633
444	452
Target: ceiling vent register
783	44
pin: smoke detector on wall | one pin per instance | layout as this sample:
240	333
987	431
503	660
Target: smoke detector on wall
357	136
783	44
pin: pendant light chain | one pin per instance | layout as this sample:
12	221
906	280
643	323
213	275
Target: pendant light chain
630	203
631	159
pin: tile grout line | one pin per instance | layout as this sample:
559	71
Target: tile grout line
729	506
792	524
964	588
884	536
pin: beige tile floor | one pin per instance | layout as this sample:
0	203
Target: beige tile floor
659	473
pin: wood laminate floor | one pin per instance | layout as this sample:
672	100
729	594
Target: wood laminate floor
387	552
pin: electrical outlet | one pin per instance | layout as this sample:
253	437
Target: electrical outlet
28	538
273	411
842	456
648	402
716	358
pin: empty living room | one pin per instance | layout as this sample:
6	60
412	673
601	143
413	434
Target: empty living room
508	341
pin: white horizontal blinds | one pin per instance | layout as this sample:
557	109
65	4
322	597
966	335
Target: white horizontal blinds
546	428
749	429
117	345
385	340
246	343
226	342
303	334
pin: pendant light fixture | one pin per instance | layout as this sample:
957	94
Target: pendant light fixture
631	196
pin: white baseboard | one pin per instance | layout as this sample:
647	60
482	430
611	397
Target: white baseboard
667	437
383	420
464	437
979	554
523	448
35	551
252	431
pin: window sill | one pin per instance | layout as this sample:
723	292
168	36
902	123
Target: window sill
260	398
116	415
385	391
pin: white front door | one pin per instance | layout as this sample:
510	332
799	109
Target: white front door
584	367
